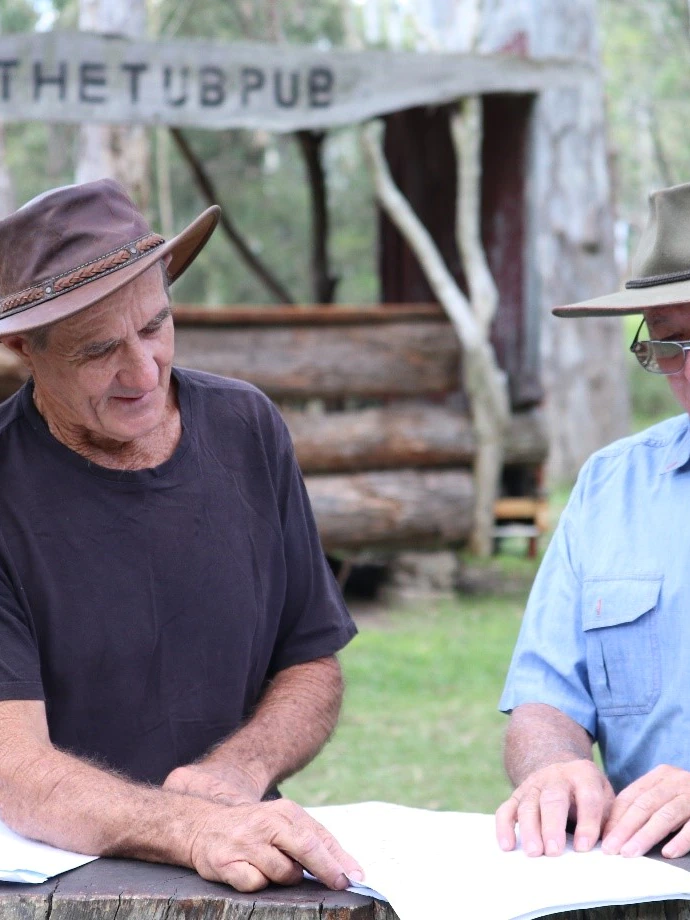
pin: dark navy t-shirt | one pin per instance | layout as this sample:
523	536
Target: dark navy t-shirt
149	607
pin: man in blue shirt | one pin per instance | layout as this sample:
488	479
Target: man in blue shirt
603	651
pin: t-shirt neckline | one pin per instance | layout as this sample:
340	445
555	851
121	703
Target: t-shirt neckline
40	427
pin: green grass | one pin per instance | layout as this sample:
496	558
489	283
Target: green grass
419	724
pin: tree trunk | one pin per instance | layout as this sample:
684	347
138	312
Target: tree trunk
483	380
7	203
570	211
490	416
323	282
115	151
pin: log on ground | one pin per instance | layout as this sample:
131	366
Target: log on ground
413	435
393	508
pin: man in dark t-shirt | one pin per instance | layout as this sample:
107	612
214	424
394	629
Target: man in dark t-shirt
168	623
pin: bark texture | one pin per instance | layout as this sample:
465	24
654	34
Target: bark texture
484	381
115	151
583	361
571	256
393	508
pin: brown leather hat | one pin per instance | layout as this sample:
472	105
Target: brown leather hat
661	264
72	246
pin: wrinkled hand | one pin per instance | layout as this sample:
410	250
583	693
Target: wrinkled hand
249	846
226	785
542	803
648	810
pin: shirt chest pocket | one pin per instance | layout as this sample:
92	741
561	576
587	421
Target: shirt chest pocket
619	619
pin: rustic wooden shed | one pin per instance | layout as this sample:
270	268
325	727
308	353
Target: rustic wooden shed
371	393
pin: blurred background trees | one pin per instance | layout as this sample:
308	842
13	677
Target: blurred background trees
261	177
646	53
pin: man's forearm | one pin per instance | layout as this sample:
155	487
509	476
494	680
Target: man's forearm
51	796
538	736
295	717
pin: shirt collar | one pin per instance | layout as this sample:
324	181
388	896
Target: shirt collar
678	454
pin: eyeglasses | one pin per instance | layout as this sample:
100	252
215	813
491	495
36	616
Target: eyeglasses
660	357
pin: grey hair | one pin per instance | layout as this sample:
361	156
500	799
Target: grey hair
38	338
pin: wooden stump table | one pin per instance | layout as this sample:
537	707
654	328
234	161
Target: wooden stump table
123	889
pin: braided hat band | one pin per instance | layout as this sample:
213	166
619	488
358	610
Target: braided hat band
60	284
73	246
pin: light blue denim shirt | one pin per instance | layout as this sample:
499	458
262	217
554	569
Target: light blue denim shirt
606	633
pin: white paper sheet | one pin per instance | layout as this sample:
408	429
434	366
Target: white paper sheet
443	863
23	860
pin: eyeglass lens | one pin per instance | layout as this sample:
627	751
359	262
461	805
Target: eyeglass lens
660	357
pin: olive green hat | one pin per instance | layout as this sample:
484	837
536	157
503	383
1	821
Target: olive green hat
660	266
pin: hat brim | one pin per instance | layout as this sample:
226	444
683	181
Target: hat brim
631	300
182	249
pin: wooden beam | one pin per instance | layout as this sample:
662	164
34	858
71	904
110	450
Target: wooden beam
408	435
534	510
377	360
401	508
307	315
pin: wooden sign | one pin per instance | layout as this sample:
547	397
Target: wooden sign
82	77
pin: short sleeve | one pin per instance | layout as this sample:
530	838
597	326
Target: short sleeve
549	662
315	621
20	670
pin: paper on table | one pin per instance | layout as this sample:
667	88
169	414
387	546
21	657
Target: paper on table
427	863
23	860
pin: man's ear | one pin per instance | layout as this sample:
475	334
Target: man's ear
19	345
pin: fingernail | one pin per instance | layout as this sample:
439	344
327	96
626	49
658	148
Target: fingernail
533	849
670	852
581	844
357	875
631	850
611	845
552	848
504	844
342	881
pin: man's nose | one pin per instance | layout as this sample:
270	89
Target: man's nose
139	371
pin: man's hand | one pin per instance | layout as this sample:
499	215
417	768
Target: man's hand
224	784
249	846
542	802
651	808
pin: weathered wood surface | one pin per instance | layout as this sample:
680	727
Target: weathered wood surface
377	359
110	889
75	77
406	435
392	508
307	314
132	890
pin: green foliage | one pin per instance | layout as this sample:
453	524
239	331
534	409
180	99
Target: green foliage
260	178
17	16
646	53
420	725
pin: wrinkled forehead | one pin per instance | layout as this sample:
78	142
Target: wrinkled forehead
666	320
131	307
